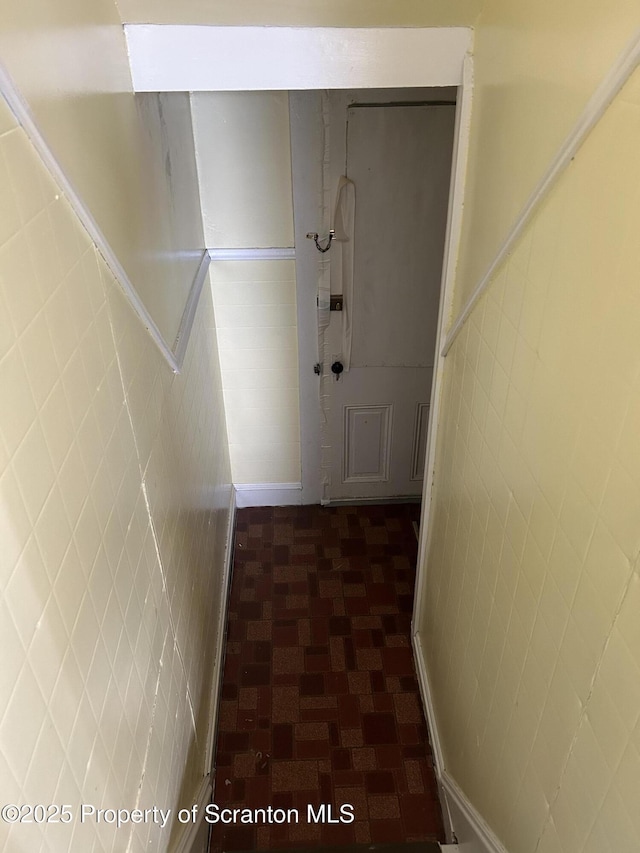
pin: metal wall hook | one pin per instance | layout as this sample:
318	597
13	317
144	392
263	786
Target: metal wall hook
313	236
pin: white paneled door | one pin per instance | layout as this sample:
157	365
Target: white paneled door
399	158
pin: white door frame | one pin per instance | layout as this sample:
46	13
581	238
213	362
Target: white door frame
449	264
307	147
201	58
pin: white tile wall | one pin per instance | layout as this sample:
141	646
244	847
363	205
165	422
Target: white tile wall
255	308
530	627
114	495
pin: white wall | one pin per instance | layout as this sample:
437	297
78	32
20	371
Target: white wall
255	309
165	222
244	163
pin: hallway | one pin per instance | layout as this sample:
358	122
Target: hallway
320	702
120	477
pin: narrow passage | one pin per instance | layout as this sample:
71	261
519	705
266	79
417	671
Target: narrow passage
320	701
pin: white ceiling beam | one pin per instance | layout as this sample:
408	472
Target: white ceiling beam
168	58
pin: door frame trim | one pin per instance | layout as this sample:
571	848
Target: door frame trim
452	249
306	215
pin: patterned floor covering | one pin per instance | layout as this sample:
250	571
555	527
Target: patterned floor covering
319	698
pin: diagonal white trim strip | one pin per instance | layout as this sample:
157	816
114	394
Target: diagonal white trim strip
618	74
21	110
189	314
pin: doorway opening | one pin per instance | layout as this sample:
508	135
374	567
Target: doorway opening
320	697
391	150
307	161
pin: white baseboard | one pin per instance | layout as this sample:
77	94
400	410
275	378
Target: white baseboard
268	494
189	831
473	834
462	820
216	681
400	499
432	723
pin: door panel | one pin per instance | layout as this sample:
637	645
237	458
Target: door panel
367	436
399	158
373	428
419	441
